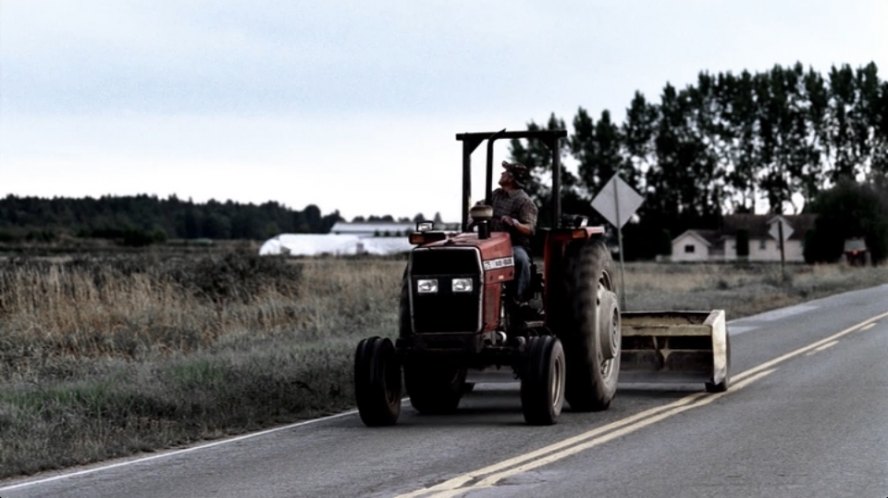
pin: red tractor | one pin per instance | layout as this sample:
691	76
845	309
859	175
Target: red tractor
457	313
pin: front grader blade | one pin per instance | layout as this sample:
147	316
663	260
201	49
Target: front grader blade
676	346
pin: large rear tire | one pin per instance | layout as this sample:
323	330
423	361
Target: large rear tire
377	382
542	382
590	330
434	387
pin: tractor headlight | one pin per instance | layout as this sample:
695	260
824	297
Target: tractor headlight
462	285
427	286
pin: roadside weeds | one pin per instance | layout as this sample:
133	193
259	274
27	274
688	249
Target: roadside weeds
105	358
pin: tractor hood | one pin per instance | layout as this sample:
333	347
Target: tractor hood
497	246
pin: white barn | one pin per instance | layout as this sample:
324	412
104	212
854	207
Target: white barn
345	239
373	229
694	245
310	244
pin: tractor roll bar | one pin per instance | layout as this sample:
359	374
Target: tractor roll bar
471	141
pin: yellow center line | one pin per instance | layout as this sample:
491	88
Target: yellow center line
871	325
491	480
465	478
822	348
494	473
776	361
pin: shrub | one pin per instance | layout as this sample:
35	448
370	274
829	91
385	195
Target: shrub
849	210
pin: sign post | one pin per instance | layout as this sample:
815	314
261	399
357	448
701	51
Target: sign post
781	231
617	202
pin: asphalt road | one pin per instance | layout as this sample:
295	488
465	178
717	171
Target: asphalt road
807	416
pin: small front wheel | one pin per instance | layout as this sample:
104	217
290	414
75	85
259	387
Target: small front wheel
542	381
377	382
434	388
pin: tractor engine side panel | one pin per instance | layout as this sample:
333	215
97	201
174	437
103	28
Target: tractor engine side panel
497	271
499	268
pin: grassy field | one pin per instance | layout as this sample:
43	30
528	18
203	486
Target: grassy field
108	355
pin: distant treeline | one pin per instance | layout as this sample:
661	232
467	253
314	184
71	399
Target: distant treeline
779	138
143	219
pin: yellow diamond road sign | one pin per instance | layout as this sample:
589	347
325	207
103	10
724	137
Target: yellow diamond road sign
617	201
775	228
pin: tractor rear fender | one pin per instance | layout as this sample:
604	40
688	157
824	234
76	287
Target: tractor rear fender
555	244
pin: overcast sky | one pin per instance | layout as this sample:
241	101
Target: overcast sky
355	105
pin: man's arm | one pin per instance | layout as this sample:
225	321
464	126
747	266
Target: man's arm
525	223
525	229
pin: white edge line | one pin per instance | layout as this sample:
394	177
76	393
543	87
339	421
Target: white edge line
816	303
251	435
175	452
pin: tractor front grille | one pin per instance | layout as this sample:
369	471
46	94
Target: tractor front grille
446	311
445	261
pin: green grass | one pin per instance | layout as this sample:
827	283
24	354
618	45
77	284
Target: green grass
109	355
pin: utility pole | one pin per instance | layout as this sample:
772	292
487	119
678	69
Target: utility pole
782	250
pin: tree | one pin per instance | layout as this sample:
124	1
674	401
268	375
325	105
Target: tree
870	122
312	216
598	148
841	111
538	159
327	221
817	99
727	142
793	165
149	219
878	114
216	226
637	133
741	153
849	210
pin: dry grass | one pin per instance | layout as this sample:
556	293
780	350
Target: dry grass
101	358
106	356
741	290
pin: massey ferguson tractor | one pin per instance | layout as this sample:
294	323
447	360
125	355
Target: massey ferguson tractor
458	312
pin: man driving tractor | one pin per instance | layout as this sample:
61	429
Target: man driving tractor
514	212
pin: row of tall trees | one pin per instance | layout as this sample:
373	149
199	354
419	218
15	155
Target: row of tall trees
730	143
143	219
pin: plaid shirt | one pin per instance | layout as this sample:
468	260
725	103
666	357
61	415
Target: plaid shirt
518	205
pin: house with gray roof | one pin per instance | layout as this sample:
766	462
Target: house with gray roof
757	230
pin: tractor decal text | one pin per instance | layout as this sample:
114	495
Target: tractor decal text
495	264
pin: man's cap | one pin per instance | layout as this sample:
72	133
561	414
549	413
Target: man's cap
518	171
